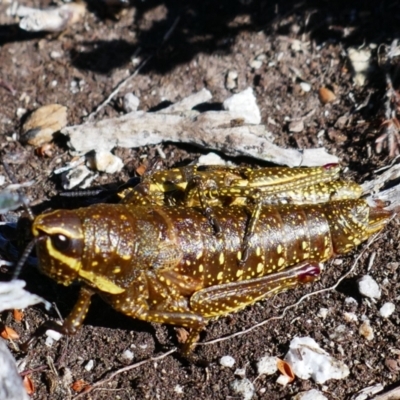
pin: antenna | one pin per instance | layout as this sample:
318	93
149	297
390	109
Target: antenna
23	258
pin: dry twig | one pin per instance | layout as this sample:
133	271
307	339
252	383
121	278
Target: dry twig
122	370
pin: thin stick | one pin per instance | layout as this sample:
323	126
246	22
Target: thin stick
122	370
118	88
135	73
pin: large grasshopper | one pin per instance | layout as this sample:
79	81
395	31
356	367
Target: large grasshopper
231	237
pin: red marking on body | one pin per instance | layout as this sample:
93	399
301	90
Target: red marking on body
309	273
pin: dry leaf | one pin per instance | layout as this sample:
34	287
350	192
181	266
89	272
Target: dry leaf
285	369
326	95
28	385
9	333
141	169
79	385
18	315
39	127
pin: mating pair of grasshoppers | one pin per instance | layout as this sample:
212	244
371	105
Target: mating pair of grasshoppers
190	244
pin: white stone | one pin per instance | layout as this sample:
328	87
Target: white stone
267	365
53	334
256	64
323	312
178	389
227	361
131	102
243	387
55	54
127	355
211	159
312	394
305	86
283	380
350	301
387	310
296	126
89	365
240	372
308	359
106	162
368	287
21	112
231	80
244	105
350	317
360	60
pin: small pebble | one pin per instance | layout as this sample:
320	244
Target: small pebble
178	389
240	372
283	380
256	64
89	365
107	162
350	317
53	334
387	310
360	60
227	361
305	86
243	387
366	330
350	301
267	365
231	80
211	159
323	312
296	126
21	112
55	54
131	102
368	287
127	355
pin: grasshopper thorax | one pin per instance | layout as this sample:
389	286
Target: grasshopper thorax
59	243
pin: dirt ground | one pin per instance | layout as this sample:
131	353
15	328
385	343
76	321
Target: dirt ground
300	42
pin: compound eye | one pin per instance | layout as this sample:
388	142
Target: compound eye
61	242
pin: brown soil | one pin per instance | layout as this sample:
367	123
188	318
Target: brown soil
80	67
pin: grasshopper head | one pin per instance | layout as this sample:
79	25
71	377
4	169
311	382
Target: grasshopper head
59	244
